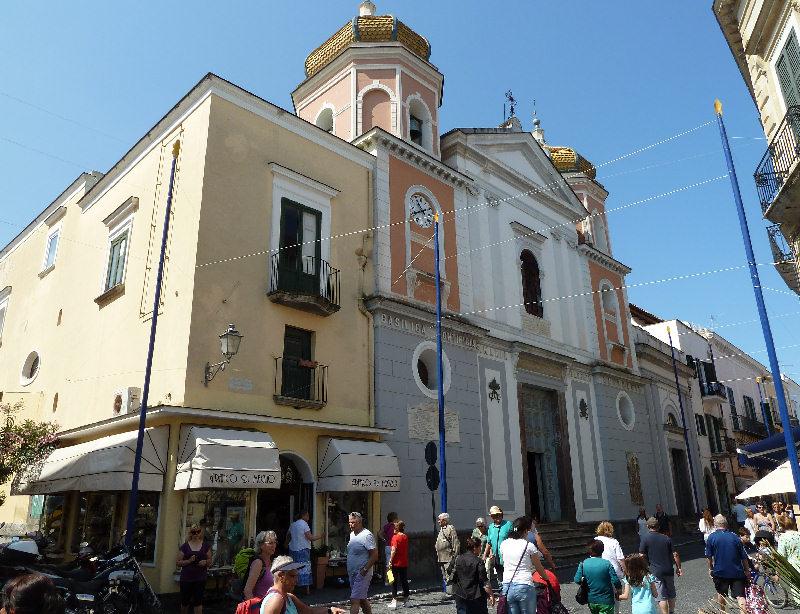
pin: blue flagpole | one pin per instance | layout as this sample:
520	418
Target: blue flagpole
761	404
685	430
137	463
442	461
762	310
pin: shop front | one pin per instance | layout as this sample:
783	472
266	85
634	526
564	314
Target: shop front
86	489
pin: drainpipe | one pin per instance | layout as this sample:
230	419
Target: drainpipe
363	253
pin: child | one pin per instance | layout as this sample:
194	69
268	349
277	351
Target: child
640	586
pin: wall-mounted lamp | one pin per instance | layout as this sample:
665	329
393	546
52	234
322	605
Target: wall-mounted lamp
229	345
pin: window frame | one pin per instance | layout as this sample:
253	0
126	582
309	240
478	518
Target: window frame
5	295
700	425
48	263
790	92
123	235
534	307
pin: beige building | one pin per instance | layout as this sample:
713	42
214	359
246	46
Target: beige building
763	37
260	235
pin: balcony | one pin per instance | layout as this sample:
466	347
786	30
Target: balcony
783	258
306	283
300	383
743	424
776	174
728	447
713	389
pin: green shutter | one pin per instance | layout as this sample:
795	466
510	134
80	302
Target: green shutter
788	69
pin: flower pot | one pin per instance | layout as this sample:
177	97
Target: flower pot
321	568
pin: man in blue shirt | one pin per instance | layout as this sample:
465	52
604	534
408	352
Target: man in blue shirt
727	562
496	534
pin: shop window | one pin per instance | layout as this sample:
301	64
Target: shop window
224	514
97	521
531	284
54	520
339	506
145	525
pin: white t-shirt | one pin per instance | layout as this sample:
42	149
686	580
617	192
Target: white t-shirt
298	532
512	550
612	552
706	529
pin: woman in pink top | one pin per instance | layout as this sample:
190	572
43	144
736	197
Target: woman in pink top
259	576
386	534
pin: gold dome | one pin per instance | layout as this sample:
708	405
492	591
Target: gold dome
567	159
367	29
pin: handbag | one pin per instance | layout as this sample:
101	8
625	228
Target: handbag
390	576
502	605
582	596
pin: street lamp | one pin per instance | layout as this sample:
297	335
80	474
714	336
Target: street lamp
229	346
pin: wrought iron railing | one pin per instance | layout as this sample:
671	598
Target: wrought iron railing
782	153
299	379
748	425
304	275
709	389
781	252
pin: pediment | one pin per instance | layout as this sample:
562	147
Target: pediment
528	162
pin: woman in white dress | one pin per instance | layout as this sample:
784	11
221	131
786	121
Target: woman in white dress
706	526
750	524
641	523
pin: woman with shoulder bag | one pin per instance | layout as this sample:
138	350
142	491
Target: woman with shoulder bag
520	558
470	583
601	579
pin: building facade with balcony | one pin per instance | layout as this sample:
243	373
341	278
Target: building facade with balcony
545	411
763	38
260	234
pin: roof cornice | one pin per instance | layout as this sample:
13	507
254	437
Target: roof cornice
603	259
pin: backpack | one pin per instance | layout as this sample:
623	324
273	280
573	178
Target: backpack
241	568
254	605
242	560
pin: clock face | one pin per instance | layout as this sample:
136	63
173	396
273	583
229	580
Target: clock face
421	211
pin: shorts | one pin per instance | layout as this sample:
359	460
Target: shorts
192	592
736	586
601	608
666	588
359	585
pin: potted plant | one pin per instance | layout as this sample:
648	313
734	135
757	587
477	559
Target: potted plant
320	555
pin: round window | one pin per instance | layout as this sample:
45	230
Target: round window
625	411
30	368
425	369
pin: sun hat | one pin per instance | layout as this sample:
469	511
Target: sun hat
285	563
494	510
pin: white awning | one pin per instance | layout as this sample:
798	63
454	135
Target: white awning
102	464
776	482
347	464
226	458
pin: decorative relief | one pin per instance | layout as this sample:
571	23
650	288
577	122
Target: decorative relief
537	325
423	423
634	479
579	376
494	390
529	363
583	409
620	383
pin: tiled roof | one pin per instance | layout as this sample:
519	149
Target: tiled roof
368	29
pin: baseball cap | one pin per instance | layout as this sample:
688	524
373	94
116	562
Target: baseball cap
285	563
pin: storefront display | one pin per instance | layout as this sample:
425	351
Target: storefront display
54	522
337	527
145	525
224	515
97	521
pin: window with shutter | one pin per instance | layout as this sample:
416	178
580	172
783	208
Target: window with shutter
788	69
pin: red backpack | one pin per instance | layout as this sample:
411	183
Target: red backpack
252	606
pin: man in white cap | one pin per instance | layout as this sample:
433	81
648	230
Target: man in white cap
280	598
497	533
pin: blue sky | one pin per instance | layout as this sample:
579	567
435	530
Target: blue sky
82	82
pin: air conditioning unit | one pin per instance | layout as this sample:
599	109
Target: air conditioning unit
128	400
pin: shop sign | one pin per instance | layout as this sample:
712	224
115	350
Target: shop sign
241	479
374	483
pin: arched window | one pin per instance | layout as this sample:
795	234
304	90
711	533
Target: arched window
608	298
420	126
531	284
376	111
325	119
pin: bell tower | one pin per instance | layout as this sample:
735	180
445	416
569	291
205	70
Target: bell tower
373	72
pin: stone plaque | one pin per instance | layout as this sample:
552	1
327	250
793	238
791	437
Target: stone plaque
423	423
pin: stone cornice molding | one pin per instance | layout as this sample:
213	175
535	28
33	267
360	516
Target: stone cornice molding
523	232
603	259
377	137
618	379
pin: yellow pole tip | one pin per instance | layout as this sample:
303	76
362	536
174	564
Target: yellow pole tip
668	329
718	107
176	148
436	217
758	379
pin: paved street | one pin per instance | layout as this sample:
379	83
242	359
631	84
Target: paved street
694	589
